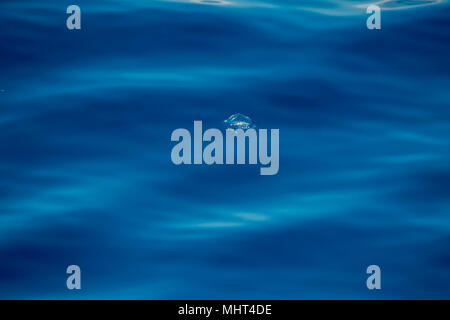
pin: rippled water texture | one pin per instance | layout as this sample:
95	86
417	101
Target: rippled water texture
85	170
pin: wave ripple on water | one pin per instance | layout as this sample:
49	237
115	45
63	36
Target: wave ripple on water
86	176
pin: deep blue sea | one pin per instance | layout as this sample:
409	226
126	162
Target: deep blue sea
86	176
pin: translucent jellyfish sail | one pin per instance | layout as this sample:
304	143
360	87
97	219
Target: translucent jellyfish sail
239	121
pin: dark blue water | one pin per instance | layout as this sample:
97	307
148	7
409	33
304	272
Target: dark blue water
85	170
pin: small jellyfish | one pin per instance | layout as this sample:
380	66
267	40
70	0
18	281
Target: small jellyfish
239	121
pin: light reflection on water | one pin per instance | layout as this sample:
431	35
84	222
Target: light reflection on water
86	176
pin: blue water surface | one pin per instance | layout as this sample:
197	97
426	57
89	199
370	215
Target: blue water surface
86	176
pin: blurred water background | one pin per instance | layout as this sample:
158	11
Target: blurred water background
85	170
